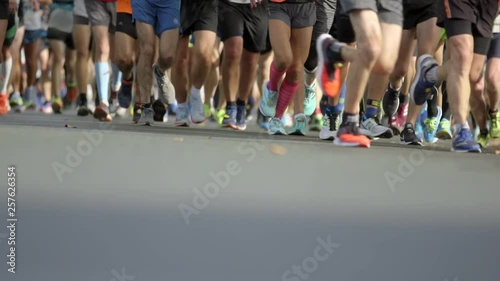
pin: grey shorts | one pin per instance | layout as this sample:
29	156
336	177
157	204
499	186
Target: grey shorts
101	13
389	11
80	9
294	15
61	20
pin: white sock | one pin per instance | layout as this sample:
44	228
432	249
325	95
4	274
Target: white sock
5	71
195	92
459	127
431	75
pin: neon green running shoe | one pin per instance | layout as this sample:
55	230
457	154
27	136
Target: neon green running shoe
483	139
495	126
208	110
316	122
444	130
219	115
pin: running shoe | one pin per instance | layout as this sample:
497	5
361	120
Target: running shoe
276	127
431	126
229	120
166	91
495	126
125	93
219	115
329	62
268	101
197	109
147	117
349	135
182	116
464	142
122	112
241	117
249	109
299	125
371	127
331	123
72	93
483	139
101	113
409	137
444	130
401	115
263	121
208	110
29	98
316	122
310	99
4	102
390	102
82	109
421	89
15	100
57	105
287	120
160	111
46	108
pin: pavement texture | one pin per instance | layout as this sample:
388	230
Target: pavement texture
121	202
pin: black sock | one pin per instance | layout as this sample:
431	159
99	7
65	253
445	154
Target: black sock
493	113
403	99
432	110
483	132
446	105
230	103
240	102
146	105
83	98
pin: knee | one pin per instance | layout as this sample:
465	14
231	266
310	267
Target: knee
203	55
82	54
232	54
370	50
283	60
124	62
493	78
147	50
385	64
293	73
462	57
57	59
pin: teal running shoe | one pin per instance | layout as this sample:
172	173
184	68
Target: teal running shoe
268	101
276	127
299	125
310	99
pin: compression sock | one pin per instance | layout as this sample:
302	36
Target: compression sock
102	79
274	77
287	91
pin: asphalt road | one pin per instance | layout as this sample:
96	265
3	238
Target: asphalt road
120	202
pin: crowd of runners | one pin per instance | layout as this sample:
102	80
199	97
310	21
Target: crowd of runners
352	70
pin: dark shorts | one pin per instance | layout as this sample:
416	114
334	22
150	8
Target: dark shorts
11	31
240	20
494	51
101	13
325	15
81	20
197	15
61	27
389	11
4	9
342	29
479	13
269	47
125	24
415	14
162	15
295	15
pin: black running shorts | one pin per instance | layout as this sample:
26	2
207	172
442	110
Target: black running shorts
125	24
197	15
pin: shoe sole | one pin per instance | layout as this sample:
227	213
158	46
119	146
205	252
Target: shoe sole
102	115
412	143
466	151
443	135
417	78
160	110
296	133
338	142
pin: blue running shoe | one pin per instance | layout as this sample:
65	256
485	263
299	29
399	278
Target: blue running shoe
241	117
229	120
464	142
421	89
419	130
299	125
125	93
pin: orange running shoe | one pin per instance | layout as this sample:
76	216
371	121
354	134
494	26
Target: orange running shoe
349	135
4	104
329	63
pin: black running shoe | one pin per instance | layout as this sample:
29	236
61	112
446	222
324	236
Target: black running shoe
390	103
409	137
160	110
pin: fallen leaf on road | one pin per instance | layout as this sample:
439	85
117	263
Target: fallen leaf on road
179	139
278	150
68	126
